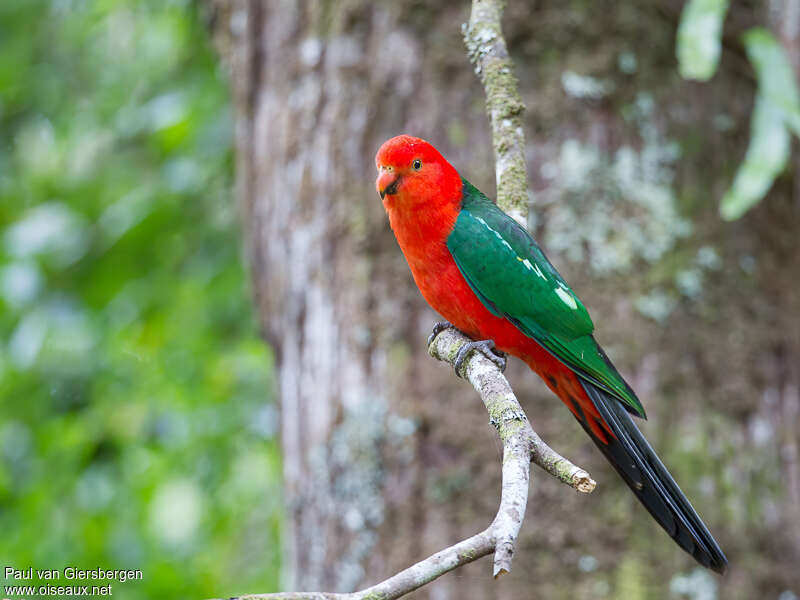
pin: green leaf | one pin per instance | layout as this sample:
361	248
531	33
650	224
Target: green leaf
776	82
699	35
766	157
777	107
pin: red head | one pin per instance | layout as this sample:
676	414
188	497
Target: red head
411	172
421	193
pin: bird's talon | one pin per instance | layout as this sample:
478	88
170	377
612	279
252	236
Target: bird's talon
498	357
438	328
485	347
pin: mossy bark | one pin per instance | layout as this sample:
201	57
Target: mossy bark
487	51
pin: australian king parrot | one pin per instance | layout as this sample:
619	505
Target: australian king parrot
486	275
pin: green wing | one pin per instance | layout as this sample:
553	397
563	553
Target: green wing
513	278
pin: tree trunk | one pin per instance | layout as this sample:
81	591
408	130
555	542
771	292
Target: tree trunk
627	162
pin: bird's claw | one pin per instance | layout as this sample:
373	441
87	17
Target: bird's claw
438	328
485	347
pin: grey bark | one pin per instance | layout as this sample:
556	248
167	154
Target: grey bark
702	321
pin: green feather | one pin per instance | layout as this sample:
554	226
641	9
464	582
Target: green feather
513	278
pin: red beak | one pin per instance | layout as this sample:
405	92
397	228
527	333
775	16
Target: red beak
387	183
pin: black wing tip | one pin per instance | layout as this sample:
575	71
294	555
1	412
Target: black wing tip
710	556
719	566
719	562
640	467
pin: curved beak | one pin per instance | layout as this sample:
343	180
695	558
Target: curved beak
387	183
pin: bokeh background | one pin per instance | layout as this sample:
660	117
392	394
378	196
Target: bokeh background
212	362
137	428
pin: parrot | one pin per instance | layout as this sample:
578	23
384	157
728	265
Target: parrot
486	275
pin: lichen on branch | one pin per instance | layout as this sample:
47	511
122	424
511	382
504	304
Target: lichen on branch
505	411
487	50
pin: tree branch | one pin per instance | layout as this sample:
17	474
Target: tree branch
504	409
521	444
487	50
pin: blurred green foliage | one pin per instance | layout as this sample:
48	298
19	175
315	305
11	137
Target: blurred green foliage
766	158
136	430
777	105
699	42
776	112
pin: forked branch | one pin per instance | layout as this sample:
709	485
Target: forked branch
521	446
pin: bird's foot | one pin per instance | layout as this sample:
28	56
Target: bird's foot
485	347
438	328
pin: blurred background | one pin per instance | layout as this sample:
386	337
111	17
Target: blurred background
183	181
136	420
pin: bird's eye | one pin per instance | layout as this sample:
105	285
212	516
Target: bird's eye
417	164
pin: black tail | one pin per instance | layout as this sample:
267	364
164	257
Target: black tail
640	467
